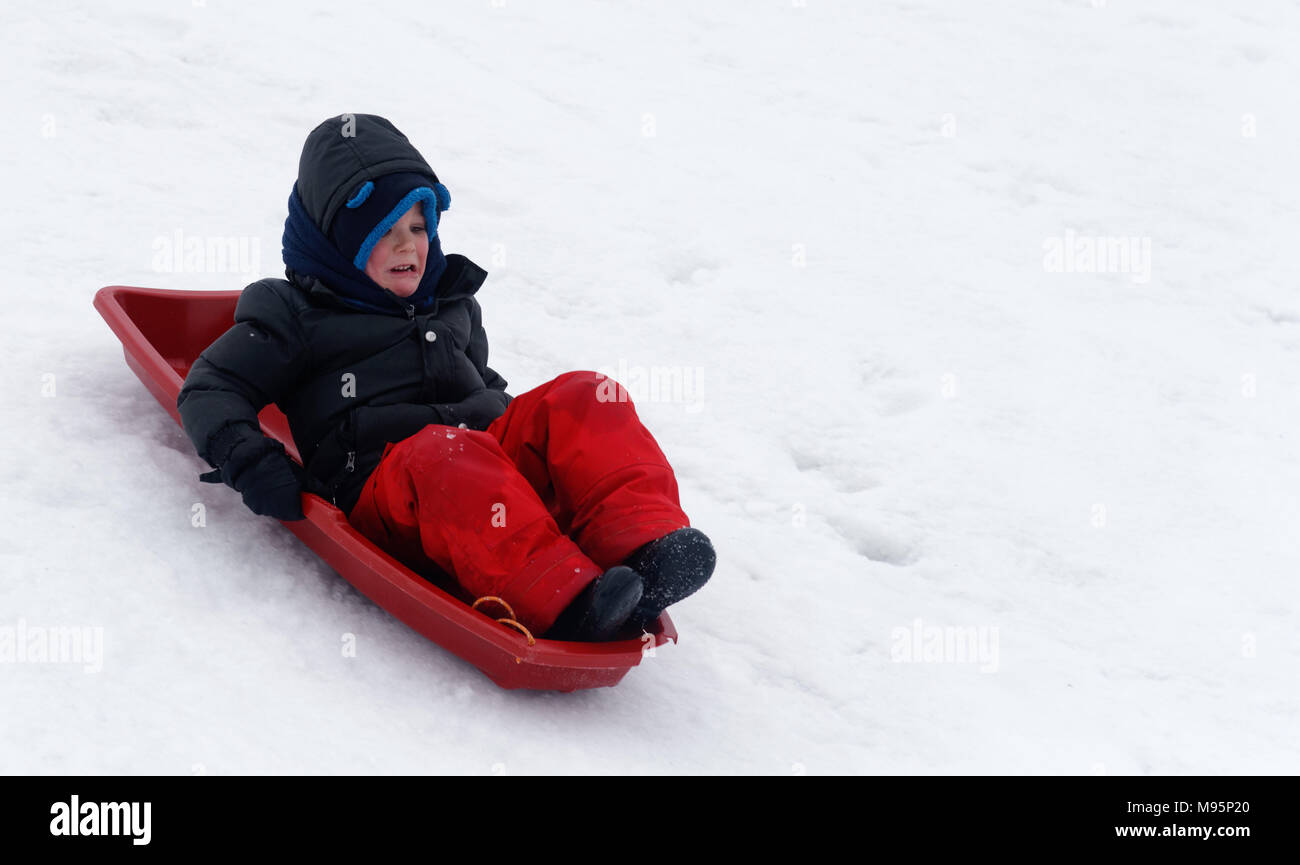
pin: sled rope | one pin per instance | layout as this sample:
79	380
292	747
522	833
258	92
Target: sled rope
508	619
512	623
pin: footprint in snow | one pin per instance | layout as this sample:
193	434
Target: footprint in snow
874	543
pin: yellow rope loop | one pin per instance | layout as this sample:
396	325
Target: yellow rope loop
512	623
494	599
507	619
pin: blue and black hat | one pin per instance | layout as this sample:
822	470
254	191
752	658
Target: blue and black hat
376	206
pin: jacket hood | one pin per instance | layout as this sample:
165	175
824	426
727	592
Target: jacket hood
345	152
347	162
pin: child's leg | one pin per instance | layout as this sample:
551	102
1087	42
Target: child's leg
451	496
578	441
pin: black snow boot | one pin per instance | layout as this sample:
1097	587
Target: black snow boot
672	568
601	609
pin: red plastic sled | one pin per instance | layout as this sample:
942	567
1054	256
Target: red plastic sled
163	332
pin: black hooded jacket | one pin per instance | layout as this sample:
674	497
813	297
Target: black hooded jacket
348	380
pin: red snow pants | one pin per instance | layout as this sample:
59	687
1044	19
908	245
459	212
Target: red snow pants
564	485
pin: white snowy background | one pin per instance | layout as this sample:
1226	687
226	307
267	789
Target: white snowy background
834	217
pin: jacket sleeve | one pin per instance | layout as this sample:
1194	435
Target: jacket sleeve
478	353
396	422
476	411
256	362
479	409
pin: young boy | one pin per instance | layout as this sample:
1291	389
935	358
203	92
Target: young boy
557	500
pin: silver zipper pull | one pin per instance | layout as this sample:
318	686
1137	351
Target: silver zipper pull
352	461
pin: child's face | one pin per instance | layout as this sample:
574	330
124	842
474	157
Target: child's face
405	245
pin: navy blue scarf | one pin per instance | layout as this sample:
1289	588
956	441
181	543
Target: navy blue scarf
309	252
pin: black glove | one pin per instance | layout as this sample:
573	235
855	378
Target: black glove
476	411
270	482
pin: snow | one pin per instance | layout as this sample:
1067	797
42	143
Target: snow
893	414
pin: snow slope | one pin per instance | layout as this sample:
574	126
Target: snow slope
835	221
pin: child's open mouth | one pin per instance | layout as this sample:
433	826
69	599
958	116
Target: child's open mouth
405	268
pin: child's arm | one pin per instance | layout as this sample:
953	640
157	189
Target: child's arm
256	362
482	407
476	411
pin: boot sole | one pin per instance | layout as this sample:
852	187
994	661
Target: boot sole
677	581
